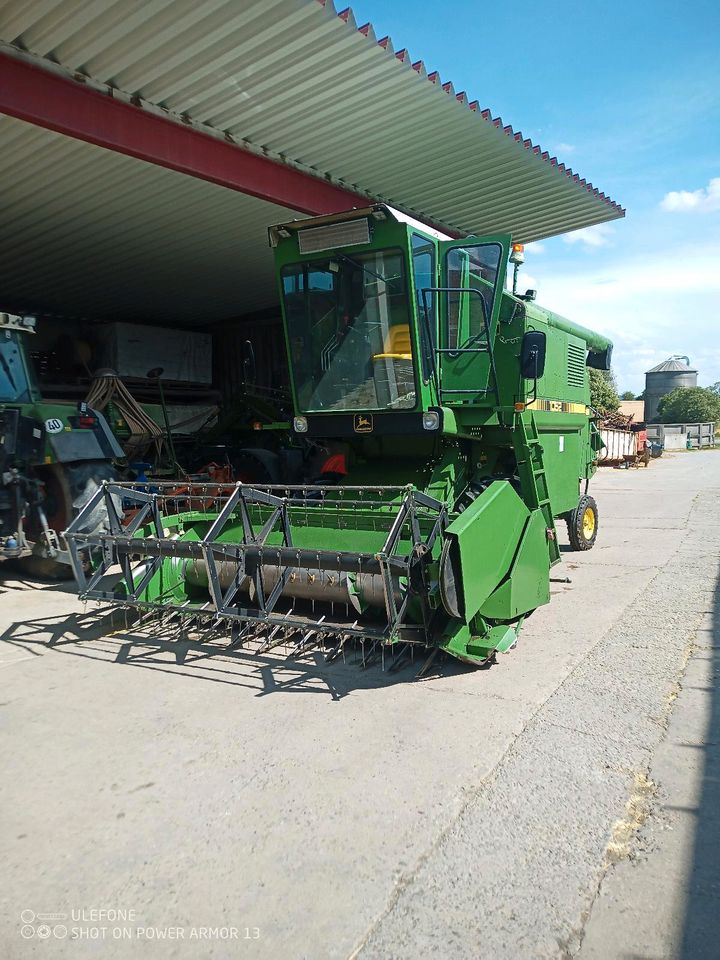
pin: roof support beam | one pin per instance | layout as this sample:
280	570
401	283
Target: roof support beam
68	107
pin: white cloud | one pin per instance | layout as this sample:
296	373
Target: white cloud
526	281
702	200
535	248
564	148
598	236
651	306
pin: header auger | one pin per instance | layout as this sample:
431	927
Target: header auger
455	426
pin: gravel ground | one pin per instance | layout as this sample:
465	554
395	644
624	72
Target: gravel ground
270	809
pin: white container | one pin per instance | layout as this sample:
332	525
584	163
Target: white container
133	349
619	445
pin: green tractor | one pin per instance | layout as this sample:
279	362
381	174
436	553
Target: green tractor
456	424
53	457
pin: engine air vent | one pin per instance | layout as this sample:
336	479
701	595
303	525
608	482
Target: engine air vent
576	366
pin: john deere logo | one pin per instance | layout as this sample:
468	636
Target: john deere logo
363	423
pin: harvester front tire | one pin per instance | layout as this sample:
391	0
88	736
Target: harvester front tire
582	524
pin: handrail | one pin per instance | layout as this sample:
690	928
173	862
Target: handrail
441	350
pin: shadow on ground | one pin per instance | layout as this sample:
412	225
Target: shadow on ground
13	584
701	931
104	634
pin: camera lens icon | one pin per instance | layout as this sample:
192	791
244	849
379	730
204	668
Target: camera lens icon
27	932
43	931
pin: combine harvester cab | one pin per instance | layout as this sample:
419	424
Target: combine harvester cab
455	422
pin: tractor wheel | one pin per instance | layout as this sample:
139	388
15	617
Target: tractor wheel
68	487
582	524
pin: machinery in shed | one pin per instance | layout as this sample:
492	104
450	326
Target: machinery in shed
456	418
53	457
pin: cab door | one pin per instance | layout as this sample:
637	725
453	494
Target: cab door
472	275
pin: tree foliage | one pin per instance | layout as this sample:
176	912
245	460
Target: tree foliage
689	405
627	395
603	392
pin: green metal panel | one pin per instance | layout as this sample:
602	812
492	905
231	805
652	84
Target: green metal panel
564	450
527	584
484	539
595	341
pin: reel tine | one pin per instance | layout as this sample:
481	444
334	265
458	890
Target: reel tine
256	633
427	664
301	645
400	658
145	619
182	624
372	655
180	633
304	641
314	641
238	634
270	639
212	631
167	620
337	649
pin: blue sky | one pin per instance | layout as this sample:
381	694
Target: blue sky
628	95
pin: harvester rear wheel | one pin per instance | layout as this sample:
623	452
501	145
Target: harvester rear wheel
582	524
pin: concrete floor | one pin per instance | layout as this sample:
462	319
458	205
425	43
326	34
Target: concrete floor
663	900
229	807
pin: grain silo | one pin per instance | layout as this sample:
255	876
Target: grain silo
665	377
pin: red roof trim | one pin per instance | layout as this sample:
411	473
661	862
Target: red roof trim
49	100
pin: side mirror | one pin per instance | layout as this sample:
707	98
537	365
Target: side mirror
532	355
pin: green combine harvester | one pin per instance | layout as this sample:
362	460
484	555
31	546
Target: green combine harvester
456	420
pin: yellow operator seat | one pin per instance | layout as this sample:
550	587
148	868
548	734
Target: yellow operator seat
397	344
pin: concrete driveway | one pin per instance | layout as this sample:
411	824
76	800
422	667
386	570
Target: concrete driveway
162	799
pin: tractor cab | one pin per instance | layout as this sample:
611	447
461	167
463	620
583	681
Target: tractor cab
386	320
17	384
348	327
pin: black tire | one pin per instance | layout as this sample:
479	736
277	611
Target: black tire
251	465
582	524
68	487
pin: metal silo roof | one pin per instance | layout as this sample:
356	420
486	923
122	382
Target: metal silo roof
302	83
672	366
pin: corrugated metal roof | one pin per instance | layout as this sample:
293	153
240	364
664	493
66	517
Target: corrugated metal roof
302	83
88	232
672	366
